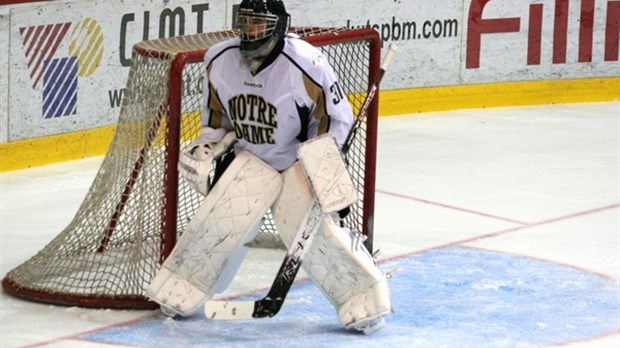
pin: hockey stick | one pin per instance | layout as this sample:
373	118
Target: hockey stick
270	305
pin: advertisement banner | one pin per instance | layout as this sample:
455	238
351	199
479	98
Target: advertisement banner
508	40
455	42
428	33
69	61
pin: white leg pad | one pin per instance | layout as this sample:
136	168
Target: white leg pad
293	204
211	249
323	164
346	274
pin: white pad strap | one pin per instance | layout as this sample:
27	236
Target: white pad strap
326	170
224	222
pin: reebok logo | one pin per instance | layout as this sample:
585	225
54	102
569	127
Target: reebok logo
252	84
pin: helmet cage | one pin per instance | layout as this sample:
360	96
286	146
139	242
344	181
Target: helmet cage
256	28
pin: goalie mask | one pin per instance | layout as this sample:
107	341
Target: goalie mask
261	24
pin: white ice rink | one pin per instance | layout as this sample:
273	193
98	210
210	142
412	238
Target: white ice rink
504	224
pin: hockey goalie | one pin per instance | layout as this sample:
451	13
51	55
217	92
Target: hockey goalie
276	102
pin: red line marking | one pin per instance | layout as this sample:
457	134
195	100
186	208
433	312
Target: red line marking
589	339
452	207
543	222
524	225
106	327
510	230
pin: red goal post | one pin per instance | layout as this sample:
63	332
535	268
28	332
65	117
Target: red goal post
137	205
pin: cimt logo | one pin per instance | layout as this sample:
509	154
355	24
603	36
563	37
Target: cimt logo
56	73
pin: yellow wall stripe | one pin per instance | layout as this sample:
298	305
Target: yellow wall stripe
57	148
499	94
94	142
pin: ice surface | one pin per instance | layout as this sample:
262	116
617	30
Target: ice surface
502	226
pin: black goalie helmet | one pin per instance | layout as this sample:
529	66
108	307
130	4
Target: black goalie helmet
259	21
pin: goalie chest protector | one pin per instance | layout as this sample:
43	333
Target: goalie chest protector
293	98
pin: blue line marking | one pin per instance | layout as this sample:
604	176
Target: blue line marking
452	297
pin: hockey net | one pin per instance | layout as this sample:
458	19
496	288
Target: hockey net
137	205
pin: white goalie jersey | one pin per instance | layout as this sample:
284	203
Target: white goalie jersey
290	99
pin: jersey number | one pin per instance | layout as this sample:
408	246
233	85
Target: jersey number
336	92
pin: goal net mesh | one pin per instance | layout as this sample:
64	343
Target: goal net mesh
137	206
